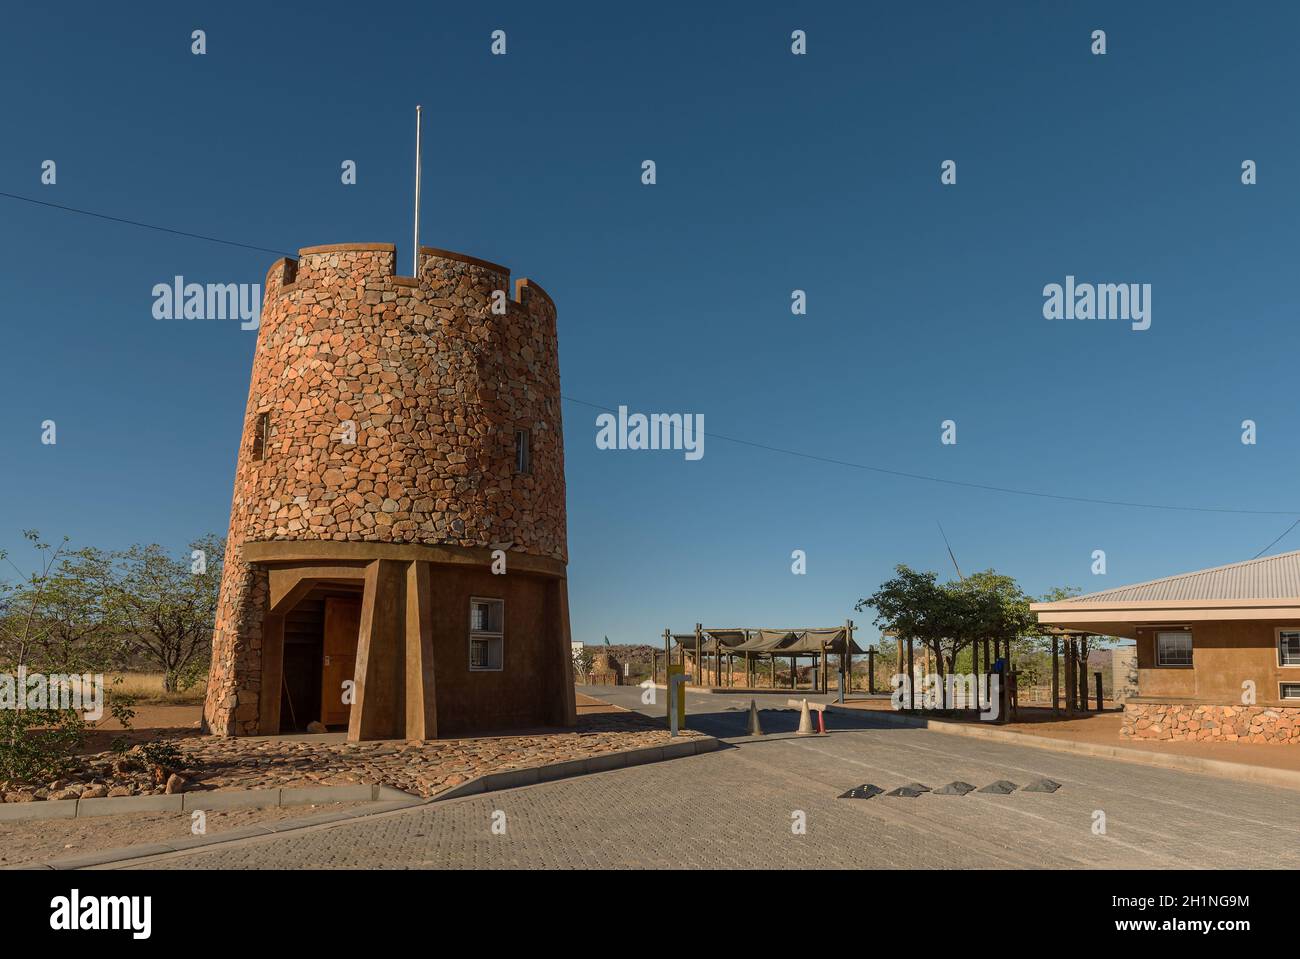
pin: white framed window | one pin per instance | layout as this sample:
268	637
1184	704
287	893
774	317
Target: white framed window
1174	649
1289	691
1288	647
486	633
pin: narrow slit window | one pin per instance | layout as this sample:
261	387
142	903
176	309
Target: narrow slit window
261	435
523	451
1290	691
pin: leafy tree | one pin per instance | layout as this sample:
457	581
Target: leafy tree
65	608
914	606
950	617
164	608
40	742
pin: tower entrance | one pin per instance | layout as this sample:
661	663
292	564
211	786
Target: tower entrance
320	654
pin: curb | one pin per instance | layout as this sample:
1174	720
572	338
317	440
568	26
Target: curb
109	857
530	775
1261	775
397	800
189	801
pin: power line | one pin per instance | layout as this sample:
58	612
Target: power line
1013	491
967	485
143	226
1276	541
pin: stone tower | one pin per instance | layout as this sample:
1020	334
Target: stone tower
397	546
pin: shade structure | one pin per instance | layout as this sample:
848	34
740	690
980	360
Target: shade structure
782	642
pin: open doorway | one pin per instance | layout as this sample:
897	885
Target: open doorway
320	654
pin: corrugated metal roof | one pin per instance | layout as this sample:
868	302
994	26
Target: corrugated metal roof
1271	577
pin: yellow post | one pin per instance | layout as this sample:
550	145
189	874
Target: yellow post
676	670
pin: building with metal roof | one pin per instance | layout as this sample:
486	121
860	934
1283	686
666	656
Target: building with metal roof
1218	650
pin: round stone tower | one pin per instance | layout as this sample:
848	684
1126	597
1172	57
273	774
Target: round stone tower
397	550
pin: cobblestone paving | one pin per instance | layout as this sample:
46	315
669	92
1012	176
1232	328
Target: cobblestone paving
733	809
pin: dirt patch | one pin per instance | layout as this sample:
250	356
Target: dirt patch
36	841
163	721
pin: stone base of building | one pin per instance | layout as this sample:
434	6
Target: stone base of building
1207	722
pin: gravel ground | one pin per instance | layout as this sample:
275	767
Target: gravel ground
420	768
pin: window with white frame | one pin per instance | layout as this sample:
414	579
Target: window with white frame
1290	691
1174	649
486	633
1288	647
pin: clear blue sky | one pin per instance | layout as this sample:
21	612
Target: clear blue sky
775	172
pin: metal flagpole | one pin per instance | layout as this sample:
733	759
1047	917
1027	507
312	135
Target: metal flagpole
415	254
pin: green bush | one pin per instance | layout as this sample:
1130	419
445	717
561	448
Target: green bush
161	752
38	744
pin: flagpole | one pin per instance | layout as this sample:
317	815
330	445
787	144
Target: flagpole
415	254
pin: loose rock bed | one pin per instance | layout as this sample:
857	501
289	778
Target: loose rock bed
421	768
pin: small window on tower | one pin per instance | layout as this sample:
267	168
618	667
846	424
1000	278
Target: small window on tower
261	435
523	451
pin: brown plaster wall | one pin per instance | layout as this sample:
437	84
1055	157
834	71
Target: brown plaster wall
1224	655
524	691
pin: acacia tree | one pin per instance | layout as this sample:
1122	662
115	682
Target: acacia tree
948	617
72	631
914	606
997	606
43	616
164	607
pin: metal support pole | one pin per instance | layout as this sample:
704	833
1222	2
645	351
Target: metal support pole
1056	676
415	252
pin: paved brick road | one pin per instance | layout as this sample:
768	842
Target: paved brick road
732	809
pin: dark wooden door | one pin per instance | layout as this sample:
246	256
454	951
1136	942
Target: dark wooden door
342	628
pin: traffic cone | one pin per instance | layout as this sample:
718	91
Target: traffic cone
753	728
805	721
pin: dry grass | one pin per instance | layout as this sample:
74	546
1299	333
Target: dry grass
148	688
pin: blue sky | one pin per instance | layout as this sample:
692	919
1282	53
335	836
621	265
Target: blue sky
775	173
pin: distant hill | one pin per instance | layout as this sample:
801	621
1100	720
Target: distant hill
637	655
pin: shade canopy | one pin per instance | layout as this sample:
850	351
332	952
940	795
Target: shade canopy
778	642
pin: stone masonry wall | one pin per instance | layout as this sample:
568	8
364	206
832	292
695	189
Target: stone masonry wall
1211	723
436	384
